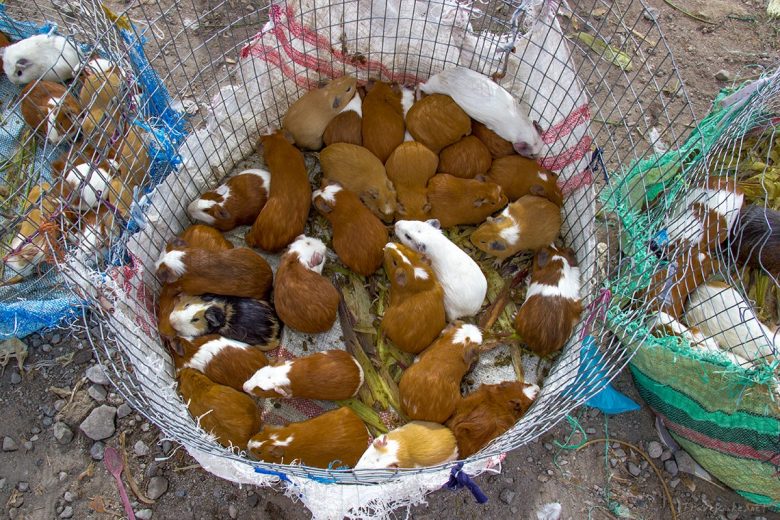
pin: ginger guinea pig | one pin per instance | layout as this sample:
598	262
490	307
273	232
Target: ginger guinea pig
466	159
337	436
359	171
332	375
100	97
50	110
166	301
497	145
304	299
284	215
347	126
529	223
131	155
417	444
383	119
32	242
409	168
358	236
519	176
671	285
238	202
552	303
489	412
231	416
86	179
430	388
415	315
456	201
200	236
437	122
224	361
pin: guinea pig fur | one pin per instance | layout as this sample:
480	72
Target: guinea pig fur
497	145
668	326
335	436
307	118
238	202
304	299
755	239
224	361
165	304
489	412
466	159
232	272
131	156
231	416
456	201
200	236
347	126
529	223
358	236
4	42
85	183
430	388
464	284
332	375
437	122
519	176
243	319
409	168
50	110
415	315
670	285
359	171
100	99
30	246
383	119
49	57
417	444
552	303
284	215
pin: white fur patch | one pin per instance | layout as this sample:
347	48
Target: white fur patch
510	234
270	378
306	247
377	458
420	273
355	105
686	227
209	350
362	376
723	202
404	258
407	100
255	445
174	260
531	391
181	319
91	183
467	332
20	263
568	285
543	176
327	193
702	257
223	191
263	174
52	134
284	443
408	137
197	210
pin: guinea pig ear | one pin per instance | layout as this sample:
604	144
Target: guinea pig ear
336	102
497	246
221	213
276	451
480	178
178	242
322	205
538	127
519	405
542	257
215	317
434	222
400	277
23	63
537	190
478	203
380	442
177	347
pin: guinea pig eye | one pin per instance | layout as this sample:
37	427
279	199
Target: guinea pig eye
406	235
194	320
18	72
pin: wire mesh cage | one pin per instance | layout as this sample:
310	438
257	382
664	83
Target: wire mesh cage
199	82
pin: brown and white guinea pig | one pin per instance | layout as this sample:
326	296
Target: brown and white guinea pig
97	230
437	122
415	315
455	201
36	232
552	303
430	388
224	361
100	98
86	178
467	158
332	375
304	299
200	236
519	176
497	145
231	272
488	412
383	119
359	171
237	202
358	236
347	126
307	118
51	111
417	444
529	223
409	168
671	284
755	239
337	438
243	319
231	416
284	215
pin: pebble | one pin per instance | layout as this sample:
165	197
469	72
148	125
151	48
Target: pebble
48	410
62	433
620	453
145	427
27	445
542	478
97	392
46	348
666	455
674	483
99	424
732	515
141	449
123	411
62	475
654	449
548	446
97	450
167	447
59	404
82	356
96	375
144	514
528	459
181	493
671	467
613	461
252	499
634	469
24	487
2	483
157	487
15	378
650	13
56	338
590	431
9	444
507	496
35	430
232	511
723	75
46	422
67	512
69	496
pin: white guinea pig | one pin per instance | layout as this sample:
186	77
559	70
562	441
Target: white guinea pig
43	56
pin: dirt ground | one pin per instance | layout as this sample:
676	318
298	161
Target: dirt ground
44	477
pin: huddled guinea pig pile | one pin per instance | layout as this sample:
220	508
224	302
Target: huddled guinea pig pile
425	160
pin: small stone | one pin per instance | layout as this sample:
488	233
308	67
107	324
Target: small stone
69	496
671	467
252	499
9	444
46	348
144	514
24	487
542	478
123	411
96	375
59	404
590	431
732	515
620	453
548	446
654	449
181	493
56	338
634	469
15	378
99	424
46	422
507	496
82	356
67	512
97	392
2	483
152	469
141	449
13	513
35	430
27	445
528	459
723	75
232	511
613	461
48	410
514	510
167	447
62	475
62	433
650	13
97	451
157	487
145	427
674	483
666	455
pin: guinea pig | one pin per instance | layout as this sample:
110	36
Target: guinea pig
332	375
100	98
347	126
51	111
237	202
166	301
467	158
415	315
232	272
359	171
99	228
243	319
519	176
755	239
358	236
670	285
417	444
49	57
86	184
668	326
552	303
307	118
437	122
284	215
455	201
336	437
131	156
409	168
488	412
304	299
430	388
36	234
224	361
200	236
497	145
4	42
487	102
383	119
529	223
231	416
408	97
464	284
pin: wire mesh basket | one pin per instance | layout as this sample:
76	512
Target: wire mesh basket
597	76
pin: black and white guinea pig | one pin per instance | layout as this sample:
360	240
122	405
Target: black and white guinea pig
243	319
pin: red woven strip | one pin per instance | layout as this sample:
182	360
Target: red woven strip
308	61
306	406
566	157
577	117
273	57
582	179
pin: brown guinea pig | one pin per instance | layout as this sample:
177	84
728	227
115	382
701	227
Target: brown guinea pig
304	299
131	156
165	303
4	42
231	416
224	361
200	236
100	98
529	223
31	244
284	215
670	286
497	145
358	236
437	122
409	168
552	303
415	315
456	201
347	126
467	158
430	388
237	202
50	110
337	436
416	444
383	119
488	412
519	176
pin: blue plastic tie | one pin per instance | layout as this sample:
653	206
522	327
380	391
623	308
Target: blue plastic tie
273	473
460	479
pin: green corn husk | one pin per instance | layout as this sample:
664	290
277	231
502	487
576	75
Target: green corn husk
609	53
367	414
